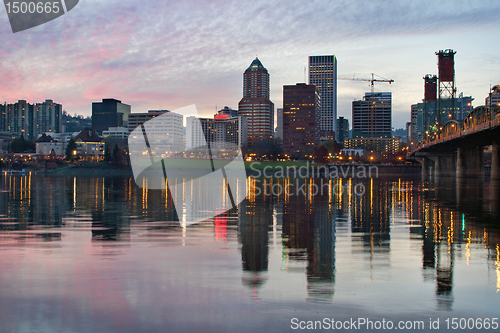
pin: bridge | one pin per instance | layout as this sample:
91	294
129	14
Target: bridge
457	148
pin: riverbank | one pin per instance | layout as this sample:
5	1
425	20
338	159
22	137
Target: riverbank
260	169
84	171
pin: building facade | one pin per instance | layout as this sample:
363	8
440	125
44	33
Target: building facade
372	116
256	105
323	74
221	133
378	145
46	145
89	145
31	120
137	119
301	119
109	113
342	131
279	126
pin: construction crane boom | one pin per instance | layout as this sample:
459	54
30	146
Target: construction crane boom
372	81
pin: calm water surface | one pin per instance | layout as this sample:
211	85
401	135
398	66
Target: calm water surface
103	255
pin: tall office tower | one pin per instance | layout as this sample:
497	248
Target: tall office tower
301	119
323	74
137	119
372	116
48	117
255	104
109	113
342	129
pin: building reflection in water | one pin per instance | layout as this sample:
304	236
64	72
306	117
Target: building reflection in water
309	235
255	216
370	220
450	218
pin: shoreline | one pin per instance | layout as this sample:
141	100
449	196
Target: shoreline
345	170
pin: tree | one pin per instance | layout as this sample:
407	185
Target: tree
22	146
268	148
71	148
332	146
117	157
107	154
321	154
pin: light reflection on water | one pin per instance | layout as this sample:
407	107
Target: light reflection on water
101	254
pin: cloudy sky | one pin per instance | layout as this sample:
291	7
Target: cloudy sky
155	54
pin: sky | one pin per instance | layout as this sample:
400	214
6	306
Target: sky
161	54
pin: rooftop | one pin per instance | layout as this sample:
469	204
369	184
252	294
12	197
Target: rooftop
256	65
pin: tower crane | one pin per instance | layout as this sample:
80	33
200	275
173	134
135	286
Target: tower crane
372	81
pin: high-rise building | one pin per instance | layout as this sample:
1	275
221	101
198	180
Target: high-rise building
372	116
255	104
279	126
301	119
48	117
323	74
408	132
30	120
137	119
109	113
342	129
413	125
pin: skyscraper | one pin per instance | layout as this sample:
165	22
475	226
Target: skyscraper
342	129
323	74
301	119
371	117
109	113
255	104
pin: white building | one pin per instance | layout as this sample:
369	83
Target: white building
165	134
47	145
116	133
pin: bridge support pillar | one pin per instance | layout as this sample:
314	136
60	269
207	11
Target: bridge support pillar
470	162
495	160
426	164
444	165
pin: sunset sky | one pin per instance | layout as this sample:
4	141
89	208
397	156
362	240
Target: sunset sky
168	54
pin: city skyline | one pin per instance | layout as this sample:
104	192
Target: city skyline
185	58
